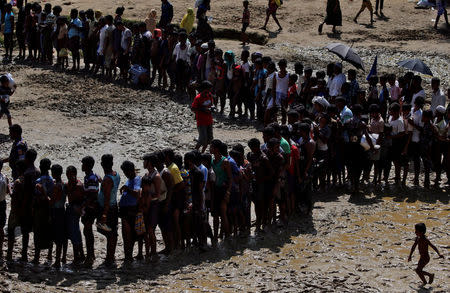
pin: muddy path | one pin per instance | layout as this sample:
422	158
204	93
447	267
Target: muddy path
349	245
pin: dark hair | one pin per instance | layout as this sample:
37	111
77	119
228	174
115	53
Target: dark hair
332	108
245	53
298	67
293	77
304	127
88	161
57	170
374	108
395	107
107	161
427	113
216	143
223	149
273	142
421	227
45	165
352	72
120	10
206	157
4	79
239	147
21	166
357	109
293	113
74	11
419	101
127	166
282	62
275	126
340	99
31	155
16	128
178	160
269	131
436	80
266	59
169	153
271	65
71	169
152	158
146	180
320	74
254	143
189	157
109	18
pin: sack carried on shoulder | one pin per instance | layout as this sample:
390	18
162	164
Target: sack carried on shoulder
279	2
139	225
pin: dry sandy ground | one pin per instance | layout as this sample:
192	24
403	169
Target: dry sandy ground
349	245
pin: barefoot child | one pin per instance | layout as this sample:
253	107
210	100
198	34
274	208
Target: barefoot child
423	243
57	203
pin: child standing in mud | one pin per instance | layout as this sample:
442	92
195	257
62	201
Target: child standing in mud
423	243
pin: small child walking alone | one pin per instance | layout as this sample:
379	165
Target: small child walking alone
423	243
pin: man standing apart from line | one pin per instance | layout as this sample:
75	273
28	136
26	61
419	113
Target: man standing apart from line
202	107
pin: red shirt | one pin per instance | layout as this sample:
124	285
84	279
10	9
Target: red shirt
292	91
203	102
294	157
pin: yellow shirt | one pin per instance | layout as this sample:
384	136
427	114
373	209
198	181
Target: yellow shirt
175	173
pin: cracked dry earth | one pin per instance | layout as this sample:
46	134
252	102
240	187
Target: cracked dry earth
349	245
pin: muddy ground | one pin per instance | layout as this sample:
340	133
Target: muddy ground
349	245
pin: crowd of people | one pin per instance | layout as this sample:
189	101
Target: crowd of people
321	130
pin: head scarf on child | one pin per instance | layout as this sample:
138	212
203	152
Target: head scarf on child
150	22
188	20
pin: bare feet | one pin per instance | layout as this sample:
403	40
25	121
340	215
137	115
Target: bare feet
430	281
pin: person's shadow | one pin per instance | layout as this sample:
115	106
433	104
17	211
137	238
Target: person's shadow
337	35
273	34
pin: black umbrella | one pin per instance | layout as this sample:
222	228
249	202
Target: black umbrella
346	54
415	65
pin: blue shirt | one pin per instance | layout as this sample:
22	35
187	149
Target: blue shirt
91	182
47	183
127	199
113	195
75	30
204	171
8	23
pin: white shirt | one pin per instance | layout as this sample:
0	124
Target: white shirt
301	80
397	125
336	84
181	54
246	67
437	99
417	119
282	83
102	37
269	81
124	41
419	94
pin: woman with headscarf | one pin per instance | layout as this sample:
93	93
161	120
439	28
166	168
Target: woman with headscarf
150	21
188	21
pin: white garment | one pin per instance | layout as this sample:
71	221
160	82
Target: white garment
282	83
300	81
437	99
3	187
125	37
419	94
336	84
246	67
269	81
102	37
397	125
181	54
417	119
